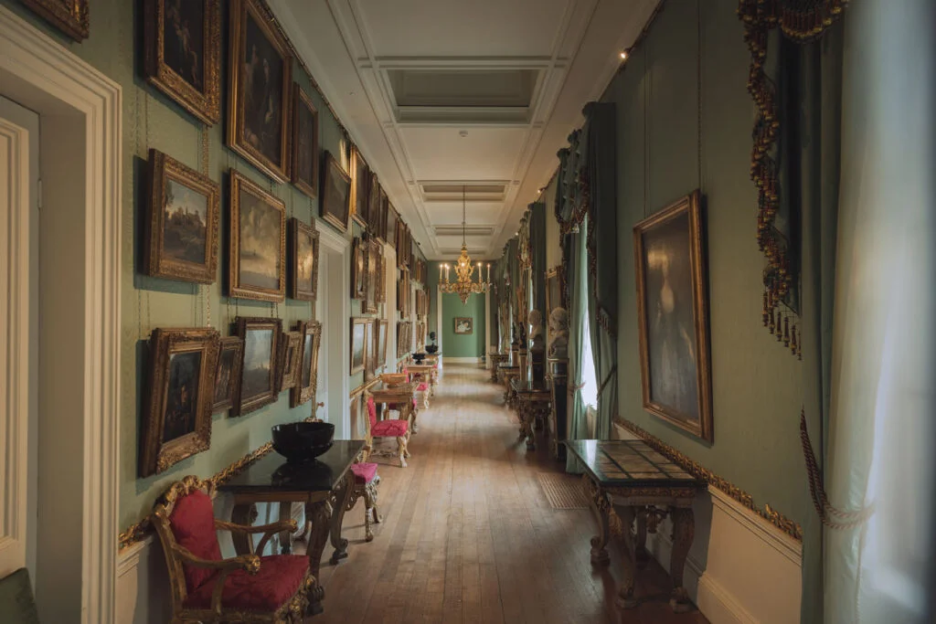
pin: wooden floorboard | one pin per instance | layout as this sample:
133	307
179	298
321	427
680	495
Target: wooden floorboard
469	537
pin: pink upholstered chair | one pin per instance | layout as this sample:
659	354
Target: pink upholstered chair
207	588
398	429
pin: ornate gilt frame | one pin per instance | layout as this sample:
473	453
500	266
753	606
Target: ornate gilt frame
358	268
239	182
404	337
333	167
74	20
161	169
360	172
299	394
240	12
243	324
288	360
157	455
205	105
230	343
556	273
381	275
690	204
300	99
371	280
383	327
373	204
356	368
297	227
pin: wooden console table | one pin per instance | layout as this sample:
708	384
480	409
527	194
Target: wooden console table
629	483
323	486
533	404
507	374
496	360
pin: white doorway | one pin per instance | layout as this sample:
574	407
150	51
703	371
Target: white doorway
334	362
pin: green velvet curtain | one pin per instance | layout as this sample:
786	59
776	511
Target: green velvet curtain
538	242
578	291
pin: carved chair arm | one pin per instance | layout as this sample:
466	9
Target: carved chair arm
268	530
248	563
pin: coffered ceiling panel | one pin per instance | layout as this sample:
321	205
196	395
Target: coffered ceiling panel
441	94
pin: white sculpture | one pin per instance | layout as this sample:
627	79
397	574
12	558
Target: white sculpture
559	333
537	340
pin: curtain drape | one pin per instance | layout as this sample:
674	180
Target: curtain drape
538	241
578	290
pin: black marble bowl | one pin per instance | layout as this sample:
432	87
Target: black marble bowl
431	349
302	441
419	357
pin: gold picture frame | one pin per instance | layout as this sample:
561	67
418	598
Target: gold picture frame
180	239
358	268
180	393
358	344
464	325
260	377
288	360
381	276
171	43
252	131
670	264
404	338
72	17
263	221
370	349
228	373
310	340
383	327
335	198
360	187
371	281
303	260
304	169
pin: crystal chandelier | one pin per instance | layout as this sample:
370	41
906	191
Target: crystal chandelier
463	287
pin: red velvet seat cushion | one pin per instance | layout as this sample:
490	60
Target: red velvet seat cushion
390	429
280	576
192	523
423	387
364	473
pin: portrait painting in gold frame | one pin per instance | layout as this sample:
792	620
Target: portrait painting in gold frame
257	262
336	194
310	339
305	144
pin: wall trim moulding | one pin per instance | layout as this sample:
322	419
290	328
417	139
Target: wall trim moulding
461	360
771	515
330	237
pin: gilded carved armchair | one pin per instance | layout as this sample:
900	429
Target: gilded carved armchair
206	588
398	429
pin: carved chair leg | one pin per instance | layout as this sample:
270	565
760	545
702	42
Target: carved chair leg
683	534
401	447
370	510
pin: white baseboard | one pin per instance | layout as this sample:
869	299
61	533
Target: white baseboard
461	360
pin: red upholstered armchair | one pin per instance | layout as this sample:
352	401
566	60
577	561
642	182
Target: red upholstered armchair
398	429
205	587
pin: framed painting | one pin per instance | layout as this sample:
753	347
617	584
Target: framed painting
288	362
403	293
360	191
371	261
257	243
358	268
373	203
260	374
464	325
381	275
672	311
336	194
259	90
305	144
383	327
180	391
303	260
383	207
183	53
392	219
402	343
358	344
370	350
554	287
310	339
228	373
72	17
180	239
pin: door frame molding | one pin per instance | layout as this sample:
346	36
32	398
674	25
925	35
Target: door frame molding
82	109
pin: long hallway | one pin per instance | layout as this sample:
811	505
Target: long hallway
468	534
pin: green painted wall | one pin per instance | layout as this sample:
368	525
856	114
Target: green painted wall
460	345
755	381
152	120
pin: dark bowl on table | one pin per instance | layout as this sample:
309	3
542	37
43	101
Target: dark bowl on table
431	349
303	441
419	357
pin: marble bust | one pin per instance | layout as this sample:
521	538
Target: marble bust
537	340
559	333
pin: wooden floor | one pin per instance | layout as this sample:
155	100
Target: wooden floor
468	535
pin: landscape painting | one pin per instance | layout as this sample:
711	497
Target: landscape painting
181	237
228	375
305	167
383	327
259	378
673	316
303	391
358	342
359	195
258	242
303	260
177	419
336	194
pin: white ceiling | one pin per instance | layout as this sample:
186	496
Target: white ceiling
445	93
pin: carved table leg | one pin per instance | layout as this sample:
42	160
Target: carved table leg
683	534
625	596
342	495
318	514
641	540
244	514
526	417
599	506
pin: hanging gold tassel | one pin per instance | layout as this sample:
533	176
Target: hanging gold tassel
779	328
764	314
793	344
771	324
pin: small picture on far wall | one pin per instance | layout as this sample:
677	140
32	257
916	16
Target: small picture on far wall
464	325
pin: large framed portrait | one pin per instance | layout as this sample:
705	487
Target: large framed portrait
303	260
464	325
358	344
183	53
305	144
228	373
180	240
673	315
360	191
336	194
288	362
371	282
72	17
310	338
358	268
180	391
257	264
260	376
259	89
404	338
383	327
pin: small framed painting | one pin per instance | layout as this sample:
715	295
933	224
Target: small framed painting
383	327
360	191
336	194
381	275
183	54
257	242
72	17
310	338
180	391
358	268
373	204
228	375
260	376
464	325
370	350
392	219
305	152
303	260
289	360
181	227
371	262
358	344
260	82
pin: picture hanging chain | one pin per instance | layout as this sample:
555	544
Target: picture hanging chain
699	86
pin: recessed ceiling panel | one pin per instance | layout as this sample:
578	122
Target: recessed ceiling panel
450	213
482	154
463	87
